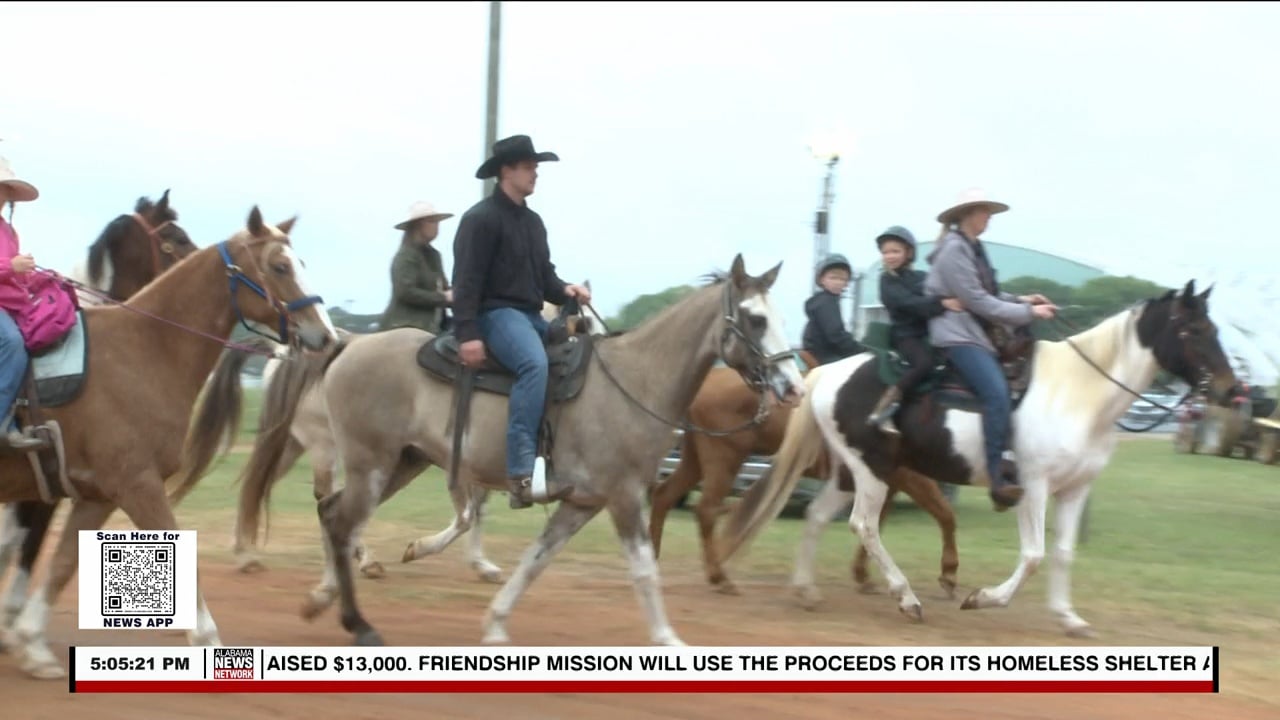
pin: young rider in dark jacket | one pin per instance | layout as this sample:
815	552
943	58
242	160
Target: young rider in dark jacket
825	335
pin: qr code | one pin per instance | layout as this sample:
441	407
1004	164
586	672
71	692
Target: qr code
138	578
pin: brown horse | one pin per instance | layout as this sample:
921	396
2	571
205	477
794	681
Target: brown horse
725	402
126	433
608	440
131	251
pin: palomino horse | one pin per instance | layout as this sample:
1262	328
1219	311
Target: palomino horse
725	402
131	251
1063	435
147	361
309	433
608	439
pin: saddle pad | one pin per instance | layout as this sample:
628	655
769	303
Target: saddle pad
566	366
59	370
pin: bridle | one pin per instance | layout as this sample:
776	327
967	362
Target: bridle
236	278
756	376
158	244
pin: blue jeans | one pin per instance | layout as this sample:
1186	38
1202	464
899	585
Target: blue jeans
13	365
515	339
982	371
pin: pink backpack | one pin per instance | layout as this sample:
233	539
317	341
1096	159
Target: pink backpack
50	315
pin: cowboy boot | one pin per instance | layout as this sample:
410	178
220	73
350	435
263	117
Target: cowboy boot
1005	490
541	487
883	412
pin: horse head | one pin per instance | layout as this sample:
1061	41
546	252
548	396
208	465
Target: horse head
1176	327
753	341
138	247
268	285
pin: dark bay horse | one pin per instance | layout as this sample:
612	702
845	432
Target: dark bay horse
126	433
131	251
726	402
1063	435
384	411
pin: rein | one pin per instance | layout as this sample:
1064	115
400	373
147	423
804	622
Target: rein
1075	329
730	317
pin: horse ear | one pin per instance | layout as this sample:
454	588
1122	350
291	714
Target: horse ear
287	225
1205	295
255	225
738	271
587	283
163	202
767	280
1189	292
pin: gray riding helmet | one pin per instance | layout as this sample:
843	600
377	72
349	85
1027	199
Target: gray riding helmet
897	232
832	261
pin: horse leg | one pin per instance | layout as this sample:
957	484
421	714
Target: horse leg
343	516
33	518
870	493
483	567
860	574
245	548
466	505
931	497
629	522
830	500
324	468
1069	507
1031	516
717	481
668	492
563	524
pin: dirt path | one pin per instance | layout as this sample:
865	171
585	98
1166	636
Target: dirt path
581	605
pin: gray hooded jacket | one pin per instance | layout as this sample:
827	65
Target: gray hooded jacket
954	272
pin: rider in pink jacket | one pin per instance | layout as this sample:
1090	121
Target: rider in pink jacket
15	271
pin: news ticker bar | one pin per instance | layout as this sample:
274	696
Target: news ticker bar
644	669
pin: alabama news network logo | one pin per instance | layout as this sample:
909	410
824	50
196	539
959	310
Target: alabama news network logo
233	663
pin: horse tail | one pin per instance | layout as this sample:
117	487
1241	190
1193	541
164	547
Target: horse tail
801	446
297	375
215	421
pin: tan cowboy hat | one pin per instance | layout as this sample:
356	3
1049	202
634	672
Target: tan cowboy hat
422	210
23	191
973	197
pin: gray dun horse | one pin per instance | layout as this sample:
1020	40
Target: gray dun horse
146	364
391	420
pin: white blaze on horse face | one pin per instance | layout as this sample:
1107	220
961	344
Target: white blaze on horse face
299	276
774	340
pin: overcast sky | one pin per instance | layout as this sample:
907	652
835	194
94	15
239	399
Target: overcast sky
1118	133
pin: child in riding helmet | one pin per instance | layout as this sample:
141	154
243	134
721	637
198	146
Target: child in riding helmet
902	294
825	335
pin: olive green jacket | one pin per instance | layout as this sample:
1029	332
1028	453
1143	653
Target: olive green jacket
417	289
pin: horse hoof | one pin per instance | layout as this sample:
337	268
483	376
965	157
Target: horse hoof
369	638
409	555
373	570
312	608
971	602
726	587
251	566
487	571
913	611
496	636
46	671
1081	631
808	597
948	586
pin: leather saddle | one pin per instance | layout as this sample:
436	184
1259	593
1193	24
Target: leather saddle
568	354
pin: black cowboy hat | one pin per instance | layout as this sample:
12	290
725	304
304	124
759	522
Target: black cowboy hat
512	150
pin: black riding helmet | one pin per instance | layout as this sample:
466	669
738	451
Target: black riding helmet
835	260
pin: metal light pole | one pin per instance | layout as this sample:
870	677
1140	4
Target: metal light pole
822	221
491	113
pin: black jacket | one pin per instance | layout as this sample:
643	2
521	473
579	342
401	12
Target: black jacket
825	334
902	294
501	259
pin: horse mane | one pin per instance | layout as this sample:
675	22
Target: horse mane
117	228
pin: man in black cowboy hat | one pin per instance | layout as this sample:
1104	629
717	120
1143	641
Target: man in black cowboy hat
502	274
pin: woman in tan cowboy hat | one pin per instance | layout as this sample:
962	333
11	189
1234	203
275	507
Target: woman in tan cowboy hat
959	268
15	272
419	286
